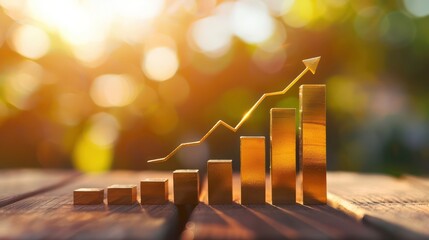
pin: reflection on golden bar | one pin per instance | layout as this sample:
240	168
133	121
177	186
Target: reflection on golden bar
313	143
88	196
121	194
186	186
283	155
154	191
252	170
219	174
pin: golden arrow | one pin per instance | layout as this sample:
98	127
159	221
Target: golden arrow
310	64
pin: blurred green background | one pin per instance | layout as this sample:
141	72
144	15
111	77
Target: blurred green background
99	85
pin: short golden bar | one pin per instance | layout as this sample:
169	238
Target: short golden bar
283	155
252	170
121	194
219	174
312	101
186	186
88	196
154	191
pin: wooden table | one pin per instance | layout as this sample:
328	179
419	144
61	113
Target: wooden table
37	204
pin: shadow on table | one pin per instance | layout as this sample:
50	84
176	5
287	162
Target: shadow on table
270	221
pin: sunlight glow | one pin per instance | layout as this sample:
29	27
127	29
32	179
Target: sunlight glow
84	24
138	9
251	21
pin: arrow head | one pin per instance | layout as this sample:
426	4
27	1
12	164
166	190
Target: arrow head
311	63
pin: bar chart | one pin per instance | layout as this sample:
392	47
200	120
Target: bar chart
282	158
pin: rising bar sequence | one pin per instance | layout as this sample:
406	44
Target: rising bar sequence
312	158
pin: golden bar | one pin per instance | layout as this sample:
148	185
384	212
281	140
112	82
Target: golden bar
121	194
154	191
283	155
312	101
252	170
186	186
219	174
88	196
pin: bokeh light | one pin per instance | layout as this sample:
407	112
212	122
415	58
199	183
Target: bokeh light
91	54
269	62
94	148
212	35
279	7
112	90
137	9
251	21
20	85
397	29
160	63
30	41
419	8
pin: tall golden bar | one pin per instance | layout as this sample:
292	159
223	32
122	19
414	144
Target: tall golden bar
312	99
252	170
283	155
219	174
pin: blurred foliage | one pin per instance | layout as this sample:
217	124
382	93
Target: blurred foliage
99	85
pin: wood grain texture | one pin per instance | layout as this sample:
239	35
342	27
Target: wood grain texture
52	214
267	221
16	185
398	207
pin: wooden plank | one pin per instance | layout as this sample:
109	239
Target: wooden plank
52	214
270	222
16	185
396	206
422	181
